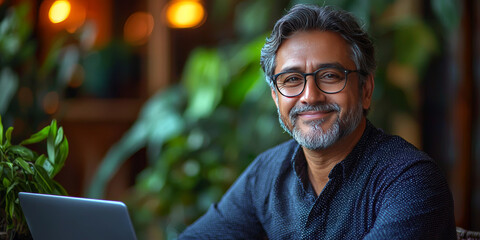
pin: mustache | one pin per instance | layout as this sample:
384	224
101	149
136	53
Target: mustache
296	110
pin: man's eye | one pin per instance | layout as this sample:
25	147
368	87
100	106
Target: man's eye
330	77
293	79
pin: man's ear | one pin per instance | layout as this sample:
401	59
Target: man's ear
367	92
274	96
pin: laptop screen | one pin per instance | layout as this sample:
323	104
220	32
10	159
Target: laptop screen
52	217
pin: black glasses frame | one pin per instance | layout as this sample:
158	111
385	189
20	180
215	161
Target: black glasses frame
314	74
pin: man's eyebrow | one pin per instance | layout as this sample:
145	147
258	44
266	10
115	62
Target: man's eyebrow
330	65
323	65
291	69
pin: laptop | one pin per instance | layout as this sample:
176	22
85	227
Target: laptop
53	217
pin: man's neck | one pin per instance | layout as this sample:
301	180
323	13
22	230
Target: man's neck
321	162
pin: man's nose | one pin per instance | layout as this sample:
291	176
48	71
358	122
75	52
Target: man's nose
312	94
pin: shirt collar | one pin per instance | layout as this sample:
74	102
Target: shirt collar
299	165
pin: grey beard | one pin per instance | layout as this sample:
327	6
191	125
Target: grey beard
318	138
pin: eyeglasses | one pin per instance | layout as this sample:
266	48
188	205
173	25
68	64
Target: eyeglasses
329	80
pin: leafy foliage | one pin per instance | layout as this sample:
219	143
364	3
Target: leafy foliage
30	71
23	169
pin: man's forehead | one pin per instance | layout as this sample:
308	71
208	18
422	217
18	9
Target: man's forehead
312	49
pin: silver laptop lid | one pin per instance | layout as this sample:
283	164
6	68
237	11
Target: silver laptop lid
52	217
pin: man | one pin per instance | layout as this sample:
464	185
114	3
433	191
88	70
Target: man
340	178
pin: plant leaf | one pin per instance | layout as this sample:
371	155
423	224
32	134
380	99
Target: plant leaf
43	180
11	208
205	75
53	126
9	164
59	137
11	187
24	165
1	131
62	153
8	136
22	151
40	160
37	137
51	143
6	182
48	166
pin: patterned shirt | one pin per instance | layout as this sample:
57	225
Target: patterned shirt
384	189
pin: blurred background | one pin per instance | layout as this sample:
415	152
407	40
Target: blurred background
164	103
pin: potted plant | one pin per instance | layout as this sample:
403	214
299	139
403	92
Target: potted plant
23	169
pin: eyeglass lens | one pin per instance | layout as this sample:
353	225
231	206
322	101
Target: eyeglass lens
329	80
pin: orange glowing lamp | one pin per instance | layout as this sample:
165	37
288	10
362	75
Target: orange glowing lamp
59	11
185	13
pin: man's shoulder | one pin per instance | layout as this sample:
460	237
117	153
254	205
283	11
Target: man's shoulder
390	147
397	166
391	156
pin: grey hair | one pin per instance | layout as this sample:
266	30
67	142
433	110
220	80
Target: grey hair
304	17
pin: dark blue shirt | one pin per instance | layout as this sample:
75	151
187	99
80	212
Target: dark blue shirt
384	189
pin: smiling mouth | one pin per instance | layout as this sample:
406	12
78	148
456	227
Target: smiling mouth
314	115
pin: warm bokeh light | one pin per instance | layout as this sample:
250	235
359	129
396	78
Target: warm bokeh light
77	77
51	101
59	11
185	14
138	28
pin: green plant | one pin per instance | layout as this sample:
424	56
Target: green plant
23	169
31	69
